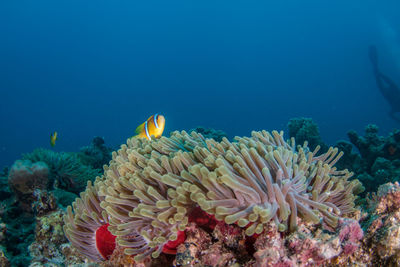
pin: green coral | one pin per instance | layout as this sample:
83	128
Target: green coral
305	129
66	169
64	198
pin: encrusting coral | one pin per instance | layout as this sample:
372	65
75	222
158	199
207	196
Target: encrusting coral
150	188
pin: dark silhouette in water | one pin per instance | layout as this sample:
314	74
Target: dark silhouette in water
388	88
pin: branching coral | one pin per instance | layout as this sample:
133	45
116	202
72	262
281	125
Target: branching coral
150	187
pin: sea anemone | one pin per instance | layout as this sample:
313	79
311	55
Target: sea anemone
87	227
144	194
152	186
262	178
67	168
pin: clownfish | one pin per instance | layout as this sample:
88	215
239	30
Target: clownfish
53	138
153	126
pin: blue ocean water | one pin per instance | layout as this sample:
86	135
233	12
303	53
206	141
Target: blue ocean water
87	68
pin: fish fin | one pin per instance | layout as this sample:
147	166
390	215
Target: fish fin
140	128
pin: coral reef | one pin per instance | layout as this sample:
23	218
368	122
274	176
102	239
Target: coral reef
50	247
44	202
18	235
25	178
191	200
150	188
97	154
210	133
309	245
372	146
4	262
381	245
48	237
379	158
64	198
225	246
5	191
3	230
306	130
66	169
36	186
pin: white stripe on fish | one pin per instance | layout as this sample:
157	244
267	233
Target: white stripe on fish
147	131
155	121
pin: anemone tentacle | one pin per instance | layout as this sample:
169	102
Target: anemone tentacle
151	186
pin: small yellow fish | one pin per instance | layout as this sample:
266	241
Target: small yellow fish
153	126
53	138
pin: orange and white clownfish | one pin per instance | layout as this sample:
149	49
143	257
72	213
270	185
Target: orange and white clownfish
153	126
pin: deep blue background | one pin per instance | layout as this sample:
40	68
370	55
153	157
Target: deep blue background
86	68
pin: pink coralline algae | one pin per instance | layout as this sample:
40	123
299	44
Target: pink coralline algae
350	234
310	245
381	245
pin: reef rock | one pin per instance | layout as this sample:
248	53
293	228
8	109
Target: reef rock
3	259
25	178
379	158
381	245
50	247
